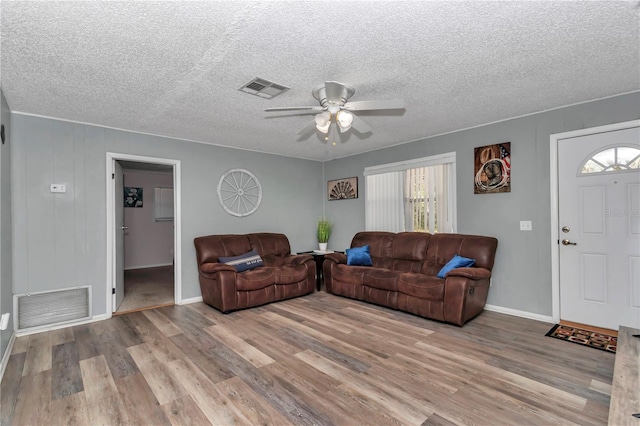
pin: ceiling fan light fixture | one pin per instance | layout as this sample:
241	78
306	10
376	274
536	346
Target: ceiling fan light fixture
344	119
323	121
334	105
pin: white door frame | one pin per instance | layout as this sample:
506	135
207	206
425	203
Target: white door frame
112	157
555	208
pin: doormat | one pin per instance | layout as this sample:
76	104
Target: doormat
584	337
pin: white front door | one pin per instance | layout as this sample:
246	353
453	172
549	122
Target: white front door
118	293
599	235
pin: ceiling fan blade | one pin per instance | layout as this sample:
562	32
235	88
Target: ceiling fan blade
360	125
309	128
335	91
313	109
373	105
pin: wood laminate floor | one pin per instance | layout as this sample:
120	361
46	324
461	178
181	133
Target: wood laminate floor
320	359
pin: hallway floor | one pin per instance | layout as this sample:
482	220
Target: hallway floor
147	287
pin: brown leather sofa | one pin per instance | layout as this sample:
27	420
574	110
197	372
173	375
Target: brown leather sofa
403	275
283	275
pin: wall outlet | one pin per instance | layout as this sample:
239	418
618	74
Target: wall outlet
58	187
525	225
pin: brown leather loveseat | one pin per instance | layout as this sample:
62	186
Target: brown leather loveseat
403	274
283	275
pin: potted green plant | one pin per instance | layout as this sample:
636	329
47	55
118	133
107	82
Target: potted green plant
324	232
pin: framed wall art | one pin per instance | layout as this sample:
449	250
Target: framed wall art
492	168
132	197
343	189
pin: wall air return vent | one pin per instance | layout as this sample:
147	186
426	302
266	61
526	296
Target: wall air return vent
263	88
53	307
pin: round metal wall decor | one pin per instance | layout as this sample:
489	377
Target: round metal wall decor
239	192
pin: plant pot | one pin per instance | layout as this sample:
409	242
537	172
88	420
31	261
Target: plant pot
323	246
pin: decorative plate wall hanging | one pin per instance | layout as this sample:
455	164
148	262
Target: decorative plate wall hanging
343	189
239	192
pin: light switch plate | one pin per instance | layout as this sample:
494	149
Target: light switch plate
58	187
525	225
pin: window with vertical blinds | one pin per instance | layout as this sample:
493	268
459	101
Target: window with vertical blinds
416	195
163	204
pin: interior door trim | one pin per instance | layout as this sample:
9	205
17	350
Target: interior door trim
555	140
110	236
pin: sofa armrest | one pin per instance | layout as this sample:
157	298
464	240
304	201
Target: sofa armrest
471	273
212	268
336	257
465	297
297	259
330	260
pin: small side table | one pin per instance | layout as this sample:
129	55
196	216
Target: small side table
318	257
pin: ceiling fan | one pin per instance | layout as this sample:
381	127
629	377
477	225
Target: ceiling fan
334	108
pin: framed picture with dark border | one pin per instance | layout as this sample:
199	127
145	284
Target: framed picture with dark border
343	189
492	168
132	197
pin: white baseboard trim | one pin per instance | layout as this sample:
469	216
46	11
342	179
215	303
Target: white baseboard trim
95	318
518	313
148	266
7	354
190	300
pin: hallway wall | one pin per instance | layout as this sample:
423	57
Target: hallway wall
147	243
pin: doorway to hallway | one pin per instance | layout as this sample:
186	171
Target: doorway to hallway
143	212
148	236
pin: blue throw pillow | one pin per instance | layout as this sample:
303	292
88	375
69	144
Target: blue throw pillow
456	262
359	256
244	262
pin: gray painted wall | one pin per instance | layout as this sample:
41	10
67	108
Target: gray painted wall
6	281
60	239
64	234
522	273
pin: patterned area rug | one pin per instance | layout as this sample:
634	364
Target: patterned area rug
584	337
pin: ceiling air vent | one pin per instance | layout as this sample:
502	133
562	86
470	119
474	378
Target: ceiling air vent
263	88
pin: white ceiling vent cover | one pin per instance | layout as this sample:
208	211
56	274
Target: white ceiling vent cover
46	308
263	88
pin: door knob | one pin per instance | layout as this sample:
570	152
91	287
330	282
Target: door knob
566	242
124	228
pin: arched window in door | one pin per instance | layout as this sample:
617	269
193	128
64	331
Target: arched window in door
612	159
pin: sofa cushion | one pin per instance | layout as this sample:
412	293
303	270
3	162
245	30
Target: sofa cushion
409	251
422	286
382	279
270	244
255	279
211	247
349	274
410	245
442	247
290	274
359	256
402	265
455	262
244	262
379	246
271	260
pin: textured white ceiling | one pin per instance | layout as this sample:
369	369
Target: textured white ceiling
174	68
